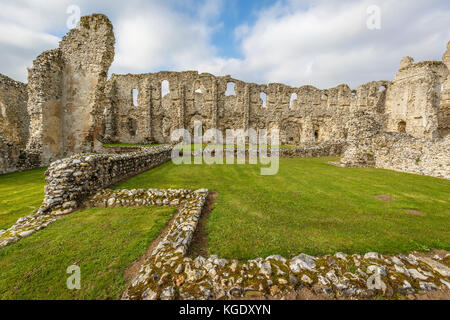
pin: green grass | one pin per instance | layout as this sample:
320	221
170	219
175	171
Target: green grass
312	207
102	242
20	194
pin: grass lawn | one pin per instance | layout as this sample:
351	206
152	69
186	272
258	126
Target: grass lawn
102	242
313	207
20	194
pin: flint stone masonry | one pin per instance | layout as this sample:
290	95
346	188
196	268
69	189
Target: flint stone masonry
314	116
14	120
413	98
307	150
368	145
14	125
71	180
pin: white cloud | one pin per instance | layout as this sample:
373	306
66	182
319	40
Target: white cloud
160	37
324	43
329	43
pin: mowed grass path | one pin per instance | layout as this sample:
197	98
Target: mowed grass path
102	242
312	207
20	194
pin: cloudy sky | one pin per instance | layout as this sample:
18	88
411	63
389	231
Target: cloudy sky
297	42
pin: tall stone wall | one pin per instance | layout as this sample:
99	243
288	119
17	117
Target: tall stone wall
14	120
45	106
14	124
413	98
303	115
66	91
444	107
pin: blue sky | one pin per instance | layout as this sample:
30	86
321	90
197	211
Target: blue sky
297	42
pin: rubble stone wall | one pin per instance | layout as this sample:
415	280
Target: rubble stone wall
369	145
71	180
444	107
303	115
66	91
14	120
413	98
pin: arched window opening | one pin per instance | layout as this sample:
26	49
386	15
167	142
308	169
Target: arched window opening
402	126
198	91
230	89
263	97
165	88
293	98
135	94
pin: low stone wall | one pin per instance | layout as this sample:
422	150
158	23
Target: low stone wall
368	145
72	179
310	150
324	149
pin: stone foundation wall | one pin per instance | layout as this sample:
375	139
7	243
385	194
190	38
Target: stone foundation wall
71	180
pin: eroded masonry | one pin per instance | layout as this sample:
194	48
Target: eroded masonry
69	106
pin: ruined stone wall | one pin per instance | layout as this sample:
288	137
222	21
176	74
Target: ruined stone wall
66	91
413	98
369	145
14	124
14	120
303	115
9	156
444	107
44	106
